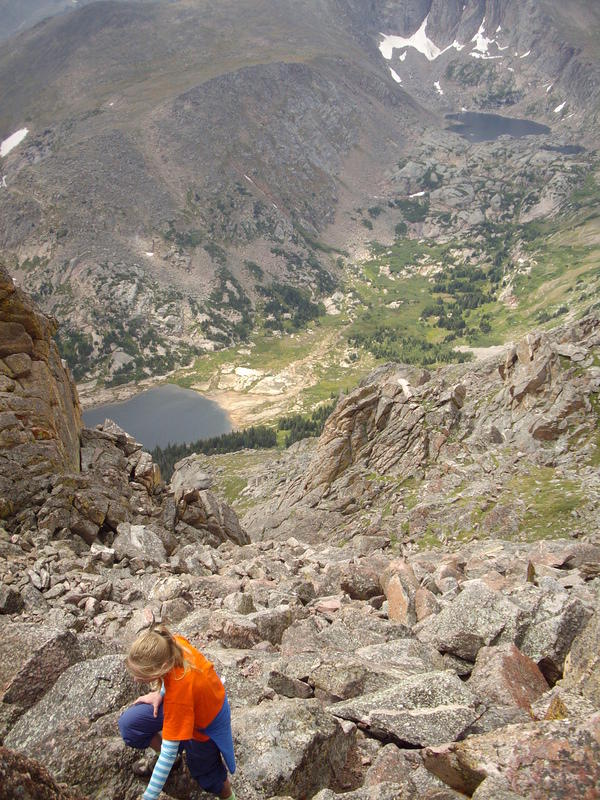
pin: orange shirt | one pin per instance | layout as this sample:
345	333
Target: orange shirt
193	698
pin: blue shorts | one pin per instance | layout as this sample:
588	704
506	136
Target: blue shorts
138	725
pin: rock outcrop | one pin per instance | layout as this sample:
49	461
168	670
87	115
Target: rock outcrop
468	451
40	416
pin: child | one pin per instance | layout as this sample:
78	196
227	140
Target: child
191	711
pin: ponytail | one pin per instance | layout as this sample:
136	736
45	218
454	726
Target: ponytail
154	653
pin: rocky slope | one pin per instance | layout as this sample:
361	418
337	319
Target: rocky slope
503	447
158	198
361	669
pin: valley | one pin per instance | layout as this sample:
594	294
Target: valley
215	201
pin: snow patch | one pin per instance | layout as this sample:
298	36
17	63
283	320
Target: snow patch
150	255
249	179
438	87
417	194
525	54
418	40
9	144
481	41
395	76
549	87
559	108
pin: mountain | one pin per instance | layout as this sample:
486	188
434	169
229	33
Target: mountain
187	161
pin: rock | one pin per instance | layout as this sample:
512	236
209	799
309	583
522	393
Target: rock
360	582
240	632
271	623
400	585
561	703
288	686
41	419
147	472
384	791
31	659
406	656
26	779
505	676
549	638
168	588
239	603
582	665
289	747
422	709
189	475
495	788
202	511
11	601
425	604
139	541
404	769
73	729
540	761
476	617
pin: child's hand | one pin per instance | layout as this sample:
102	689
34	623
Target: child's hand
153	699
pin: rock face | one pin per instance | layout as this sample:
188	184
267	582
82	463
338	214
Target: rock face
24	778
458	453
40	416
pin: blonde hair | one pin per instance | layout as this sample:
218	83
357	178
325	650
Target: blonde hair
154	653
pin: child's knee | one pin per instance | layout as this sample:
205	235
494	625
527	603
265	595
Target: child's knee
138	725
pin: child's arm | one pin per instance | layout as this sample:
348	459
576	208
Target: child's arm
166	759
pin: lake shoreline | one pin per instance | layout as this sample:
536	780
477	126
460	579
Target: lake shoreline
162	415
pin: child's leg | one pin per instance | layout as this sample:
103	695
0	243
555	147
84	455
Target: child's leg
206	767
139	727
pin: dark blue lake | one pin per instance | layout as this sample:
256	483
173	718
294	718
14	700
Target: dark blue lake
164	414
478	127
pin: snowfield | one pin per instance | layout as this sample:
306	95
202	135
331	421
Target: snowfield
9	144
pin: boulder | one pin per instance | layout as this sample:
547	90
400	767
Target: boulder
503	675
384	791
559	618
399	584
202	511
139	541
421	710
582	665
84	692
290	747
404	768
239	631
475	618
11	601
540	761
31	659
271	623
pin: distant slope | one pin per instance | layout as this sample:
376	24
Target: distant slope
185	158
18	16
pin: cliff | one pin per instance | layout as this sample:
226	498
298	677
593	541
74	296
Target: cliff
41	417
